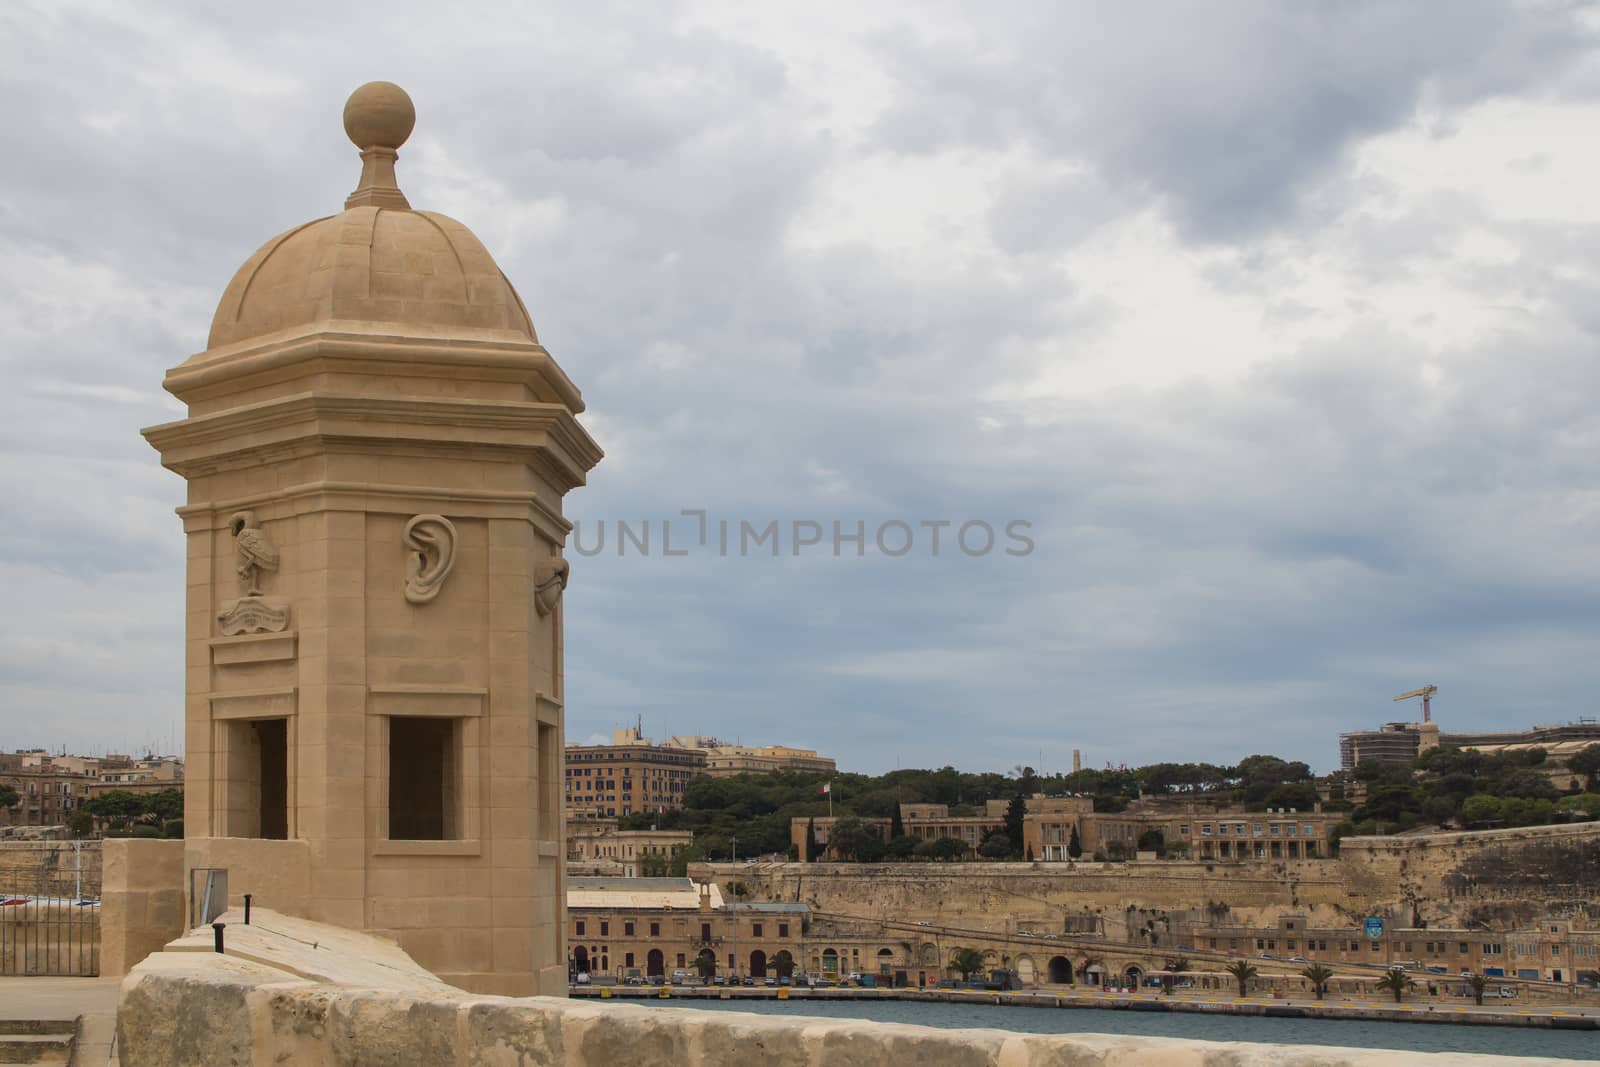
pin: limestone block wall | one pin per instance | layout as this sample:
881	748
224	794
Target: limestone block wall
141	902
278	999
1037	896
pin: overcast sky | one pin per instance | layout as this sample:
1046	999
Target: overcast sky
1279	323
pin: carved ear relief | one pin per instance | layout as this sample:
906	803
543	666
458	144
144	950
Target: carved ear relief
430	541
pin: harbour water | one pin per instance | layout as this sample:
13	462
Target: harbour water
1410	1037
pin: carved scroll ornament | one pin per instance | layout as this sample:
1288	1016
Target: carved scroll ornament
549	579
431	541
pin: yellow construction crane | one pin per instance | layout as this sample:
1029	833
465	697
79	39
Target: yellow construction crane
1426	693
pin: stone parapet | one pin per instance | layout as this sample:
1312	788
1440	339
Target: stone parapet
141	900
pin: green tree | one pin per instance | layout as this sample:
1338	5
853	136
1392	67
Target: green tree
1319	977
968	961
1243	971
1016	814
902	847
118	807
166	805
1586	761
1477	983
784	964
654	865
1174	966
941	848
897	824
706	964
1153	841
1397	982
1480	810
1580	806
851	837
811	841
1074	845
997	846
682	856
8	797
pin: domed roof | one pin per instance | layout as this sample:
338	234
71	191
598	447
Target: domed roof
378	261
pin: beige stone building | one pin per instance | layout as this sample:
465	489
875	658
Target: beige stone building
628	776
651	927
375	453
599	841
1049	824
1557	949
725	760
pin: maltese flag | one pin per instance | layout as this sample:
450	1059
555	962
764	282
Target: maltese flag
827	787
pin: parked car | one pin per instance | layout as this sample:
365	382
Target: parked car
1298	959
923	922
1506	992
771	980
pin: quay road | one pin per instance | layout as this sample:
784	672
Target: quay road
1335	1007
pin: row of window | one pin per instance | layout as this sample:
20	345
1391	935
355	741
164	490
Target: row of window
635	757
580	928
1256	829
1431	948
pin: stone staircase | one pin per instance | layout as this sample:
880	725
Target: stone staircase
37	1040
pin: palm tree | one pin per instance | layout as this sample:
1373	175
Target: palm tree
1242	972
969	961
1477	983
1397	982
1169	981
1318	976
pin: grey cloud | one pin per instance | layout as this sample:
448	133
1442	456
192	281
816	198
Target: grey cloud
1223	112
1221	568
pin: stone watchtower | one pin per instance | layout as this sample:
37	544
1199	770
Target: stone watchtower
376	451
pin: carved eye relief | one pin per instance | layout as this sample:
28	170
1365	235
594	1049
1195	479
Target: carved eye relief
431	540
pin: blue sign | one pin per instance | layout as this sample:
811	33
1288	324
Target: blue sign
1374	928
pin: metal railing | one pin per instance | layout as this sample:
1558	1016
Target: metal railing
49	908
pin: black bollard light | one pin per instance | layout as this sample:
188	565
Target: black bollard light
247	909
217	928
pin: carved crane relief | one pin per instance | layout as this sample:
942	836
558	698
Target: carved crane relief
252	613
430	542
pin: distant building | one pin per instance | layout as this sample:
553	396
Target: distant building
51	787
724	760
651	927
629	776
1553	949
1200	831
1561	741
1395	745
598	841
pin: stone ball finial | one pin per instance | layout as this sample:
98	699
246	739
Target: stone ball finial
379	115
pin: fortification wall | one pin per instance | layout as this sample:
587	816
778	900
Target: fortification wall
1444	875
302	993
1043	896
